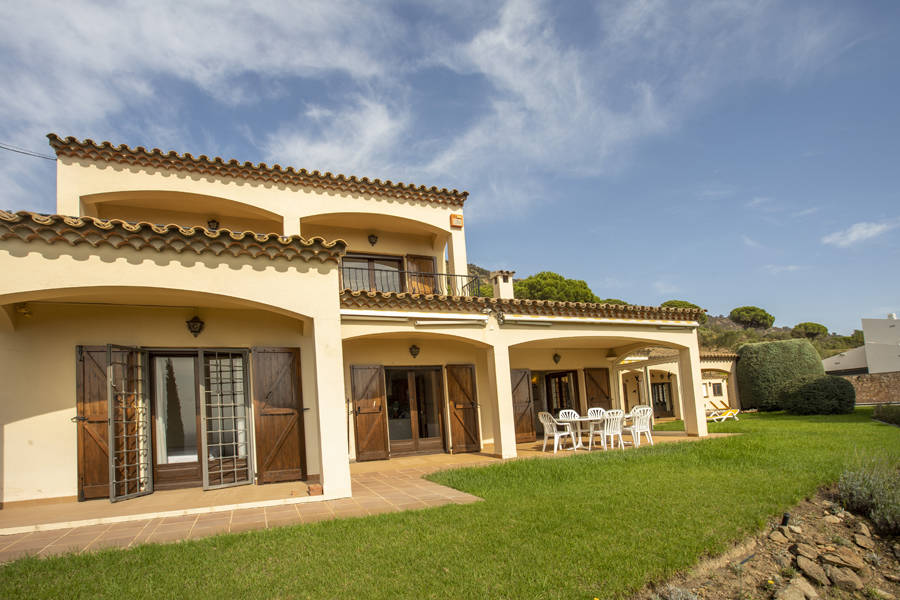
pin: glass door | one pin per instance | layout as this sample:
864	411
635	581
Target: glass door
414	400
225	419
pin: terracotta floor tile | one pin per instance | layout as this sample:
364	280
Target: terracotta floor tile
115	542
201	532
247	526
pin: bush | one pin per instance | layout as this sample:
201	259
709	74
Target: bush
889	413
766	371
751	316
873	489
826	395
685	304
809	330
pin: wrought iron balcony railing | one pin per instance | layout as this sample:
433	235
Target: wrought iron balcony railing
389	280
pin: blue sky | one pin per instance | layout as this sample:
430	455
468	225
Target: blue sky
726	153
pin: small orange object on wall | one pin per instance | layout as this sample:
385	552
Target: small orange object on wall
456	220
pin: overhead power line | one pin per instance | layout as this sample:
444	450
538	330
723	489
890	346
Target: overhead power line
11	148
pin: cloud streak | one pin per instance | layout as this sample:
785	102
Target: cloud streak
859	232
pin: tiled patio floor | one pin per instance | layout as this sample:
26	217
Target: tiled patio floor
378	487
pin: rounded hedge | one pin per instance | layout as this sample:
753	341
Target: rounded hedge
826	395
766	371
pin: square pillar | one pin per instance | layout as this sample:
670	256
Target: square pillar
456	253
693	406
504	421
332	418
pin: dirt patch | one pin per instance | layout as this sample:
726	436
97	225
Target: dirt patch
822	552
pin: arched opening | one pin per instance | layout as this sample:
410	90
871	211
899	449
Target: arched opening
181	208
417	392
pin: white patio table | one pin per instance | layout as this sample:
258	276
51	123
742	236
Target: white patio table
578	427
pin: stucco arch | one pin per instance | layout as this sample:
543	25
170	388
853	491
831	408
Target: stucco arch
182	208
416	335
142	296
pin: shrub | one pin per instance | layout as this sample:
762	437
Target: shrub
685	304
809	330
765	371
889	413
751	316
873	489
826	395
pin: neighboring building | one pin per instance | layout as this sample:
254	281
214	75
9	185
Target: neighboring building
879	354
184	322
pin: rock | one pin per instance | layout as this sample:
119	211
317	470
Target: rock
897	550
863	541
806	550
799	582
790	593
865	574
884	595
864	530
891	577
786	532
795	529
844	557
832	519
777	536
812	570
845	579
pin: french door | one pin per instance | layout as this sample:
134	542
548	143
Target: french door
128	405
414	408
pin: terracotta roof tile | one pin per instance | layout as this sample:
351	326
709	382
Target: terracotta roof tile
433	302
74	231
217	167
718	356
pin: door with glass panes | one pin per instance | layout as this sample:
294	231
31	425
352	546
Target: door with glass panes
201	424
414	400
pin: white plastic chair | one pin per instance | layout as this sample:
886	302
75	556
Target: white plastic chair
568	413
612	427
596	427
556	429
640	423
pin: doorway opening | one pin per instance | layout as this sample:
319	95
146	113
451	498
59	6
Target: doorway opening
414	401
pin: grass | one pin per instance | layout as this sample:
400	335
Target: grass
593	525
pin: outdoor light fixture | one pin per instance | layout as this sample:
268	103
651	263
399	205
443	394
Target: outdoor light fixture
373	239
195	325
556	357
213	224
414	350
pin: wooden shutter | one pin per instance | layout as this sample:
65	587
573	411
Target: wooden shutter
369	407
420	274
523	406
92	416
464	433
597	383
278	412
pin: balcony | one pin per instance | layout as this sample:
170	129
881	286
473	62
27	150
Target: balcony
384	278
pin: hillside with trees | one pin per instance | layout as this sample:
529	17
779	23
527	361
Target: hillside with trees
743	325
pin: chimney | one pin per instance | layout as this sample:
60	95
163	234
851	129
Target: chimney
502	282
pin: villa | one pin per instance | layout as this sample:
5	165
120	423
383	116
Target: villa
189	321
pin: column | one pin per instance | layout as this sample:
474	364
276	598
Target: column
456	253
332	419
290	224
504	421
734	400
691	392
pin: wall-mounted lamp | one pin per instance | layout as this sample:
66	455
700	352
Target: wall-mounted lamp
373	239
556	357
195	325
212	224
414	350
24	310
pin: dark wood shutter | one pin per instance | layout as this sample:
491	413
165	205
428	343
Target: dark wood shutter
92	416
523	406
597	383
278	411
463	401
369	407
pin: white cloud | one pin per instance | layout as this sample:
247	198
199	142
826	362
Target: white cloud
750	242
807	211
355	139
859	232
778	269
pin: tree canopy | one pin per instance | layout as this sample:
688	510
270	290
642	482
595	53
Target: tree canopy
809	330
751	316
547	285
613	301
685	304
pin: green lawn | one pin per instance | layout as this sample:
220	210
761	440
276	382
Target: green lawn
593	525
